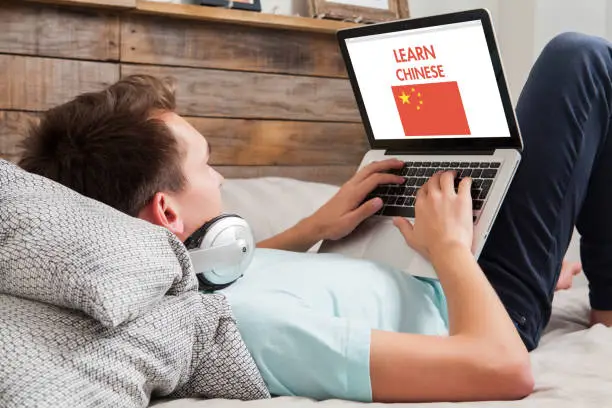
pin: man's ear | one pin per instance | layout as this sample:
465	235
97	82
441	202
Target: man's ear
163	211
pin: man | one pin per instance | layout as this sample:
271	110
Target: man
320	326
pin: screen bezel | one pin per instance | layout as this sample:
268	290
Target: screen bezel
443	144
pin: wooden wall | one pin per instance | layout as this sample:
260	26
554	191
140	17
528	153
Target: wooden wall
272	102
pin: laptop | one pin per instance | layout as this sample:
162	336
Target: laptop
431	92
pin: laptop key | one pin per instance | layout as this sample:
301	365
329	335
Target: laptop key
478	204
379	191
445	164
412	171
411	181
476	173
474	165
395	211
487	183
421	181
484	193
489	173
495	165
484	165
420	172
464	165
456	183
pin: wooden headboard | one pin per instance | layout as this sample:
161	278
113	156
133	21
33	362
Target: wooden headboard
269	92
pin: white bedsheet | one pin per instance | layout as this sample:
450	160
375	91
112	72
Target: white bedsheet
572	366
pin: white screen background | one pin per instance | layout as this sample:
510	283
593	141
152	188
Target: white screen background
462	50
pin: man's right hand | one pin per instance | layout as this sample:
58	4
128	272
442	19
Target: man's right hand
443	217
483	357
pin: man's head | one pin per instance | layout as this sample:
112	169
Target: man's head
125	146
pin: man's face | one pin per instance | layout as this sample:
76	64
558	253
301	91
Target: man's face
200	200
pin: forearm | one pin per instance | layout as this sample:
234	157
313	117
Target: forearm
299	238
474	309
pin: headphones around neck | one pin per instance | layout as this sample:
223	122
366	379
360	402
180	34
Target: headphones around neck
221	250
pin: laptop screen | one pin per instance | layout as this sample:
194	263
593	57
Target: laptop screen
429	83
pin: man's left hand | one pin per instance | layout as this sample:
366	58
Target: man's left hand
345	210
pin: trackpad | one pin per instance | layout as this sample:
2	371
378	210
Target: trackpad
377	239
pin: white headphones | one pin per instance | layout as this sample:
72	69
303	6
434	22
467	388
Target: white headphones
221	250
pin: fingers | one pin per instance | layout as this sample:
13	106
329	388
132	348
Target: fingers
364	211
433	184
465	186
374	180
447	182
406	228
377	167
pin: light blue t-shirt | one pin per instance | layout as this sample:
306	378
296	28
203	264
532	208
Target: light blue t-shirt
307	318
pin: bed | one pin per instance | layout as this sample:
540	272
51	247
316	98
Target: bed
271	140
572	365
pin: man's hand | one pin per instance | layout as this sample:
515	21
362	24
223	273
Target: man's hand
343	213
483	357
443	218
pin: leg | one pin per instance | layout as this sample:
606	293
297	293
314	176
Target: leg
564	115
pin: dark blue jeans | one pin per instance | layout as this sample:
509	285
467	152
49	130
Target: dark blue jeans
564	180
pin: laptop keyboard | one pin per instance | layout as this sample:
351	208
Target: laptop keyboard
399	199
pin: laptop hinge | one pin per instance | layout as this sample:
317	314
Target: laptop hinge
439	152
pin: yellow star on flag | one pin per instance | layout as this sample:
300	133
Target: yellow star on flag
405	98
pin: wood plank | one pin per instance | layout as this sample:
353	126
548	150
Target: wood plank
257	142
239	142
109	4
164	41
13	128
207	92
243	17
35	84
336	175
59	32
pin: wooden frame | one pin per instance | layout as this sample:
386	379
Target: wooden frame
262	131
339	10
252	5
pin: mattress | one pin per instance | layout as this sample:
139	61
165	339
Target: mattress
572	366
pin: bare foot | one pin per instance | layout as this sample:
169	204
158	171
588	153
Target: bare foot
566	277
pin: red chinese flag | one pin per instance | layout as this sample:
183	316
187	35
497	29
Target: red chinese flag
431	109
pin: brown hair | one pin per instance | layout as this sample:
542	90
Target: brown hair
108	146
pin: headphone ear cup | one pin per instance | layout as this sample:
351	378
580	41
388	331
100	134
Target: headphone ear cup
221	250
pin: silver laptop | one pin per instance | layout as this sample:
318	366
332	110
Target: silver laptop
432	93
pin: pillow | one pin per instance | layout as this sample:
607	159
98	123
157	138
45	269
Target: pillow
61	248
272	204
187	345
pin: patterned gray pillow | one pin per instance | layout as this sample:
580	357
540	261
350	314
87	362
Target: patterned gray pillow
187	345
61	248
